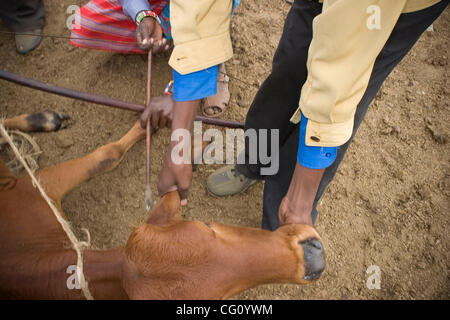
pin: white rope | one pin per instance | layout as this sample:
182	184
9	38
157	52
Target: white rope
30	156
78	246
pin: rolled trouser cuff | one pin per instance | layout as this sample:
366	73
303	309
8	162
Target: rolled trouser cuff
18	21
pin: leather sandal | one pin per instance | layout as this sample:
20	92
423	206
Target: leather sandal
215	106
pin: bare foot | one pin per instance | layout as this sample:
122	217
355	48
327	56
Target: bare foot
216	105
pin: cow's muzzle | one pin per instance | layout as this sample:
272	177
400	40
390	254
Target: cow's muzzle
314	255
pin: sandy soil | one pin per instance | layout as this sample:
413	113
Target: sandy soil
388	205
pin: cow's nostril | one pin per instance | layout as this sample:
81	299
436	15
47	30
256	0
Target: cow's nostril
314	258
316	243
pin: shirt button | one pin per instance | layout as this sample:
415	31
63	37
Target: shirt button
315	139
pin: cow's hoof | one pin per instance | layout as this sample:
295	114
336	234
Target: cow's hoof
46	121
63	116
60	118
314	258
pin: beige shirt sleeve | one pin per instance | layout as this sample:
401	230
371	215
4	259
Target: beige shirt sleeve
347	38
201	33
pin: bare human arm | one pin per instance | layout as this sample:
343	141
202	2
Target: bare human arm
178	176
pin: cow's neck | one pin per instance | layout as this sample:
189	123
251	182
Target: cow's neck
103	271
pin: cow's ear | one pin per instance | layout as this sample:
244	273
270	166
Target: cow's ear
167	210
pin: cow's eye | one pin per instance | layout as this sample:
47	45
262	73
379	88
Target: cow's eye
208	224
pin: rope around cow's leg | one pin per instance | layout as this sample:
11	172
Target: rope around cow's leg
78	246
30	152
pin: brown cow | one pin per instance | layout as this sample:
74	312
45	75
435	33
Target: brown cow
167	258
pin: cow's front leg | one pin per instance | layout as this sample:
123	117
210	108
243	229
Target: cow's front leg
61	178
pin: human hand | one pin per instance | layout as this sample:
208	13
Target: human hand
159	112
296	206
292	212
149	36
175	177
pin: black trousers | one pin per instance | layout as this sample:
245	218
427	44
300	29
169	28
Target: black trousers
278	97
22	15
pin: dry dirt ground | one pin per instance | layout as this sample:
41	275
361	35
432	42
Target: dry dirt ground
389	203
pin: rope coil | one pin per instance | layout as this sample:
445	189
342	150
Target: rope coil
78	246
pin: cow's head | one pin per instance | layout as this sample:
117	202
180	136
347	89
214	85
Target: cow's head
168	258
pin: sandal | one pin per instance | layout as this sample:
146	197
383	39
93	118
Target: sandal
215	106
